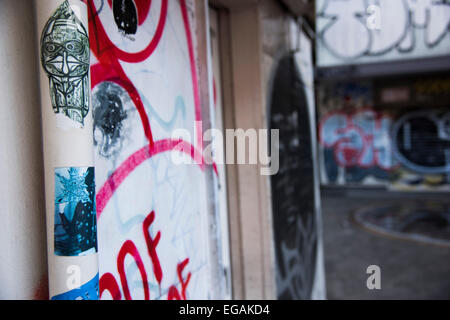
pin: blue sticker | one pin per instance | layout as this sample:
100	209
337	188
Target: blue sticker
75	214
88	291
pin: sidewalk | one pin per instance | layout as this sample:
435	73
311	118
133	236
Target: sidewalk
409	269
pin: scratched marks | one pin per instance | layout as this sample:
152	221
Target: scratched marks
163	239
294	212
151	212
109	283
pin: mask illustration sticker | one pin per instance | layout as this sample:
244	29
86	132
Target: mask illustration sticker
75	213
65	59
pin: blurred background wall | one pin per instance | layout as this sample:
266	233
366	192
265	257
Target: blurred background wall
23	262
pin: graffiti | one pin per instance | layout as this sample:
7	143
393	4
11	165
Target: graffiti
88	291
125	15
397	149
109	115
109	283
391	133
295	282
406	26
422	142
65	59
361	139
294	212
155	74
109	68
75	219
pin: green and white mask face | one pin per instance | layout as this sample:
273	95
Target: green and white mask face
65	59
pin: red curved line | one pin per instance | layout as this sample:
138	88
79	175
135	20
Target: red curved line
216	171
99	74
106	71
173	294
108	282
184	284
151	246
214	92
127	56
109	67
129	248
123	171
143	8
118	76
144	54
136	98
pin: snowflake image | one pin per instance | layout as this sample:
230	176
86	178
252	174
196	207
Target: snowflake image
75	224
74	188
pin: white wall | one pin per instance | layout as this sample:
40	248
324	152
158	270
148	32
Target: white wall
22	229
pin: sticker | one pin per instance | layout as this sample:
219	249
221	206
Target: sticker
88	291
65	59
75	212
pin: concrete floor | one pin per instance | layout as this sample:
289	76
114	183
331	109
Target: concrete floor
409	270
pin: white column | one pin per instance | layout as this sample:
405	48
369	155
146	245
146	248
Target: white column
62	31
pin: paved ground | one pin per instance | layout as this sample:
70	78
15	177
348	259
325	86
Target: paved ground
409	270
